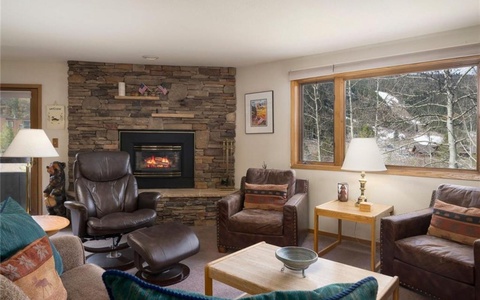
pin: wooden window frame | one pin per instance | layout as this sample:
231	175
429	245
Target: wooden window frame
339	119
36	191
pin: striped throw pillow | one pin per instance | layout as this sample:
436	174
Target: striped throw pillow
265	196
456	223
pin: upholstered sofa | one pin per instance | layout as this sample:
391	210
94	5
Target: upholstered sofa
286	225
427	249
81	281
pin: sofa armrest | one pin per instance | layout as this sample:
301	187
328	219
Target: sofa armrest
394	228
148	200
9	290
476	261
71	250
79	217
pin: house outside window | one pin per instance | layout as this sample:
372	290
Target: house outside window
424	118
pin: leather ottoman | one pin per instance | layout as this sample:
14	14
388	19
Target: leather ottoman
162	247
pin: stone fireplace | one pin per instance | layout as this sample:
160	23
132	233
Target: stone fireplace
200	100
160	159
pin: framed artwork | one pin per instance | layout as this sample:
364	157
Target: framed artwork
259	112
55	116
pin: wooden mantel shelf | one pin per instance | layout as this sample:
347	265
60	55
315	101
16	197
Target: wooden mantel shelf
137	97
176	115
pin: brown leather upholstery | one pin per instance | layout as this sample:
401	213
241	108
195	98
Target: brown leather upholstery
107	200
238	228
434	266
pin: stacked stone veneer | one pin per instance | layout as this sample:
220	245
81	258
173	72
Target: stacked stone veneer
95	116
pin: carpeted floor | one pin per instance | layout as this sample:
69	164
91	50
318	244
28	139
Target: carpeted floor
348	252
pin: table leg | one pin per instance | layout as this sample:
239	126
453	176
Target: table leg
373	246
208	282
339	230
315	232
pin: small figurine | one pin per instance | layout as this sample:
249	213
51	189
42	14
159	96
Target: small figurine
54	194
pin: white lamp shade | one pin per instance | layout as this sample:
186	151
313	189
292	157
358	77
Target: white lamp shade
363	155
31	143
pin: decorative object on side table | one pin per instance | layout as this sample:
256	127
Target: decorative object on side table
363	155
342	188
296	258
30	143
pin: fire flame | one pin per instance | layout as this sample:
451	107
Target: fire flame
157	162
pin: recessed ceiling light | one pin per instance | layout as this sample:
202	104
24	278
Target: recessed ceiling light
148	57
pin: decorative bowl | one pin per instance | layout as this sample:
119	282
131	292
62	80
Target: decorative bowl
296	258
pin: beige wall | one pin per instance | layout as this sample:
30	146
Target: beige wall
53	78
405	193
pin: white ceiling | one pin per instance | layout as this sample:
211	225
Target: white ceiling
231	33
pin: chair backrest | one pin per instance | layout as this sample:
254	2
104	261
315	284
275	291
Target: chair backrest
104	182
466	196
272	176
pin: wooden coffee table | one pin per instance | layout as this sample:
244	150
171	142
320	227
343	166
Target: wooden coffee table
256	270
51	224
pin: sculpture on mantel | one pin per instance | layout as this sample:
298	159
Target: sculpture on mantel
54	194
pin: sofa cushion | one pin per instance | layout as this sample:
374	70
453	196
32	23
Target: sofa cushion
14	219
265	196
440	256
456	223
257	221
33	270
121	285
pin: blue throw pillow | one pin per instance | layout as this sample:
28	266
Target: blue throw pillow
18	230
121	285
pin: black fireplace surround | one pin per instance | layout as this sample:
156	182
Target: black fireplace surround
160	159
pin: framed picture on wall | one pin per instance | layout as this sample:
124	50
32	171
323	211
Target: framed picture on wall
55	116
259	112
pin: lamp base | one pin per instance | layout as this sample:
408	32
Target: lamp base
360	199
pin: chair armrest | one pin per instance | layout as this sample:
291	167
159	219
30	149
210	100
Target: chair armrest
148	200
79	217
71	250
476	262
405	225
230	205
394	228
295	212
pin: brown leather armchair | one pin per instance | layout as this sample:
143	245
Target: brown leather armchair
428	264
108	204
238	227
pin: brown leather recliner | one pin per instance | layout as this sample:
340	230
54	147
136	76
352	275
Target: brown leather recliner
238	228
431	265
108	204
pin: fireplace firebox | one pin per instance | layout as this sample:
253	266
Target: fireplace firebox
160	159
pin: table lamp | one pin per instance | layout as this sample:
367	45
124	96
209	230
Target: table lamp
363	155
30	143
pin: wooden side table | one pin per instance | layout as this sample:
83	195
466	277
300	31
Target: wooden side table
349	212
51	224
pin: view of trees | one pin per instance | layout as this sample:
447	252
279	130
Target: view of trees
422	119
14	114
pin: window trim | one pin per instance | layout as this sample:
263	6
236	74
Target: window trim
339	119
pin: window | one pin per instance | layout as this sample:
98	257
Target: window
423	116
